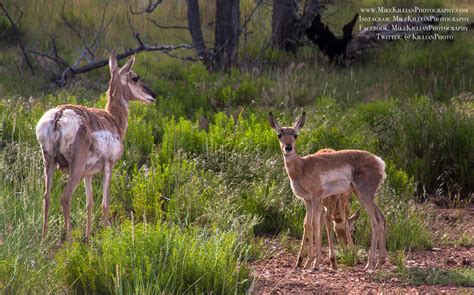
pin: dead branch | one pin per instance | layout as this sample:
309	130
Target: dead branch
152	5
166	27
17	34
71	71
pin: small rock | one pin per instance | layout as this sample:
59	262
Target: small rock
436	249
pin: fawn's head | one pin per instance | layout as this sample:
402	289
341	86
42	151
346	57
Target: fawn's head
128	82
287	135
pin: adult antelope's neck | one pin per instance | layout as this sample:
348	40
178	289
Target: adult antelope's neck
293	165
117	106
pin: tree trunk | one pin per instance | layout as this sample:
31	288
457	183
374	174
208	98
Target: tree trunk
284	21
226	34
194	23
288	27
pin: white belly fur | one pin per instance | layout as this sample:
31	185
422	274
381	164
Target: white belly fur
106	146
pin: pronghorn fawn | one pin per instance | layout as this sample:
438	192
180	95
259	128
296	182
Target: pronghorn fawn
338	210
316	177
336	216
85	141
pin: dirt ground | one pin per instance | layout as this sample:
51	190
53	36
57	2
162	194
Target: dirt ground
277	275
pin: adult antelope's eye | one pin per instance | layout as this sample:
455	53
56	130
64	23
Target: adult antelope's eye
135	79
296	136
279	135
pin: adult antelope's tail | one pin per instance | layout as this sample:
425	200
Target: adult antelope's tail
48	133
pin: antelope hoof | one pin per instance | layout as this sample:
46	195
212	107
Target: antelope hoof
299	261
308	263
333	263
380	263
369	268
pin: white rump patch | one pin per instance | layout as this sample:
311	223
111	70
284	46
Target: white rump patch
69	123
381	166
45	132
336	181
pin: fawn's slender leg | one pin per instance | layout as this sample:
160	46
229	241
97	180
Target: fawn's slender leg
106	192
49	166
89	204
329	227
303	247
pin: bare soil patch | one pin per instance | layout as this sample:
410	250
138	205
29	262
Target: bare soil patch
277	275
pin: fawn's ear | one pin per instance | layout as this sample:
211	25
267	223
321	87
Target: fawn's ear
273	123
300	123
128	66
112	62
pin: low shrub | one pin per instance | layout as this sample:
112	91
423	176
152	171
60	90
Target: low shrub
151	259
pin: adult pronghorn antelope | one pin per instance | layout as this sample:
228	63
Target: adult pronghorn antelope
85	141
316	177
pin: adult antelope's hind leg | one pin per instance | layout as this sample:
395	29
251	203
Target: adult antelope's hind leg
49	166
106	192
381	235
79	150
89	204
368	203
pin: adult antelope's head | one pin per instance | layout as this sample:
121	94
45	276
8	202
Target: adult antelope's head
128	82
287	135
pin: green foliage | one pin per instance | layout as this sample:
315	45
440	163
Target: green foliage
151	259
348	256
463	277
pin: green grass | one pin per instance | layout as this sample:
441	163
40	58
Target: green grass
151	259
188	203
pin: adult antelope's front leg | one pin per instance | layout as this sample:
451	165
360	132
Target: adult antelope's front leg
307	240
317	211
106	192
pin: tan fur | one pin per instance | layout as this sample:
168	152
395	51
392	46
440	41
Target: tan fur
338	210
316	177
84	141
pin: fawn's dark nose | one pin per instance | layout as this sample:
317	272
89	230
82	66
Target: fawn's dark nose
288	148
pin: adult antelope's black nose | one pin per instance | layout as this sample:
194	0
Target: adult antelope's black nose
288	148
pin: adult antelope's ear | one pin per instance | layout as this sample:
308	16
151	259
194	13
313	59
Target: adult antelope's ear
128	66
273	123
112	62
300	122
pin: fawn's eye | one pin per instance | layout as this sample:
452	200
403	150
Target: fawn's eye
135	79
296	136
279	135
